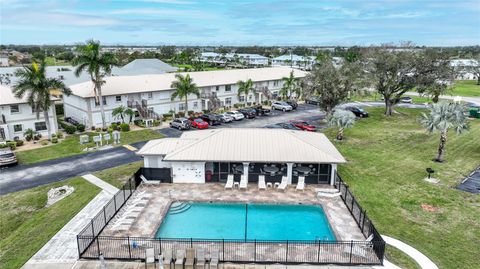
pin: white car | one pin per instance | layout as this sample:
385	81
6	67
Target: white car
235	115
278	105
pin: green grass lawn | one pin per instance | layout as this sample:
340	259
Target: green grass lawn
387	158
71	146
466	88
26	225
117	176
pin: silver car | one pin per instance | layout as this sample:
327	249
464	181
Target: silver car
278	105
180	124
226	118
7	157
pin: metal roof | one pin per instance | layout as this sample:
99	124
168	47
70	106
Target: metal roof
147	83
143	67
247	145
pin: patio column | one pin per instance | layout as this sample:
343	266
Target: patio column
333	172
260	98
245	169
289	173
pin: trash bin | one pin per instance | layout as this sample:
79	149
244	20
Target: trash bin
474	112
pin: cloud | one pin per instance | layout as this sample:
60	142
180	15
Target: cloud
162	11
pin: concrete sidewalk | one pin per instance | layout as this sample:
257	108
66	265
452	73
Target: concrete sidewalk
62	251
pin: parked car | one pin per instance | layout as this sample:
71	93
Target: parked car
357	111
211	119
180	124
235	115
225	118
7	157
279	105
249	113
198	123
313	100
260	111
406	99
292	103
304	125
282	125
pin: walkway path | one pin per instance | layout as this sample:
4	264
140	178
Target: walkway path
61	251
416	255
473	100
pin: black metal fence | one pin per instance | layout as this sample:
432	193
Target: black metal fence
370	252
86	237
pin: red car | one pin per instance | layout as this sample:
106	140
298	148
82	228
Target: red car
304	125
198	123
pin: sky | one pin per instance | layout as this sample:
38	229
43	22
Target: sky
235	22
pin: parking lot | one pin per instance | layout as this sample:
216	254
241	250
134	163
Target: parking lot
303	112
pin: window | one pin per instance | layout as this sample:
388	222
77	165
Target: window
181	107
14	109
150	95
40	126
17	128
118	98
195	104
228	101
275	83
228	88
241	98
217	88
104	101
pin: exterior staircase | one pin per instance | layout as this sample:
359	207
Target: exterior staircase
265	92
144	111
213	102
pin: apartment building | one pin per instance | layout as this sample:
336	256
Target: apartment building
151	94
253	60
295	61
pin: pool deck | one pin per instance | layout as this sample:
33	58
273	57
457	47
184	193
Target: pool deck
143	213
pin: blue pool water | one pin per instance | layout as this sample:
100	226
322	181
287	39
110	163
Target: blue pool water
263	222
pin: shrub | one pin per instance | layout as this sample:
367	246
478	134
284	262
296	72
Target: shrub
110	129
114	126
60	134
125	127
98	130
70	129
19	143
29	134
156	122
44	142
37	136
140	123
81	128
54	140
12	145
167	116
3	145
181	114
190	112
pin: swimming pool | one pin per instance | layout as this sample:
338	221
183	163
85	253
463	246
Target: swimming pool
245	221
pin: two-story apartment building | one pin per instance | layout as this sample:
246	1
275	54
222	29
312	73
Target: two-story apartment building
16	116
154	92
248	59
295	61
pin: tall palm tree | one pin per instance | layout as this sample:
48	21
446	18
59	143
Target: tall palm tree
290	85
245	87
34	84
342	119
97	65
183	87
442	117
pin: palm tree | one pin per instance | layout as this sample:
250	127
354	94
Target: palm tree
342	119
442	117
245	87
119	113
183	87
289	85
34	84
97	65
130	113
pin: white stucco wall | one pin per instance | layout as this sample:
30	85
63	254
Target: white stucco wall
26	118
155	162
188	172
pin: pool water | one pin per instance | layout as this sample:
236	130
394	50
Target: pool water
242	221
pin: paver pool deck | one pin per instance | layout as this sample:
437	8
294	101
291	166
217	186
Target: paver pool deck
143	213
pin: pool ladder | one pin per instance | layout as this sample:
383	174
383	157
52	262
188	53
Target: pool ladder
178	207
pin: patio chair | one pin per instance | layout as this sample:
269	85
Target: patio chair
190	258
146	181
149	256
301	183
283	184
229	184
200	263
261	183
243	182
213	264
179	258
167	259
